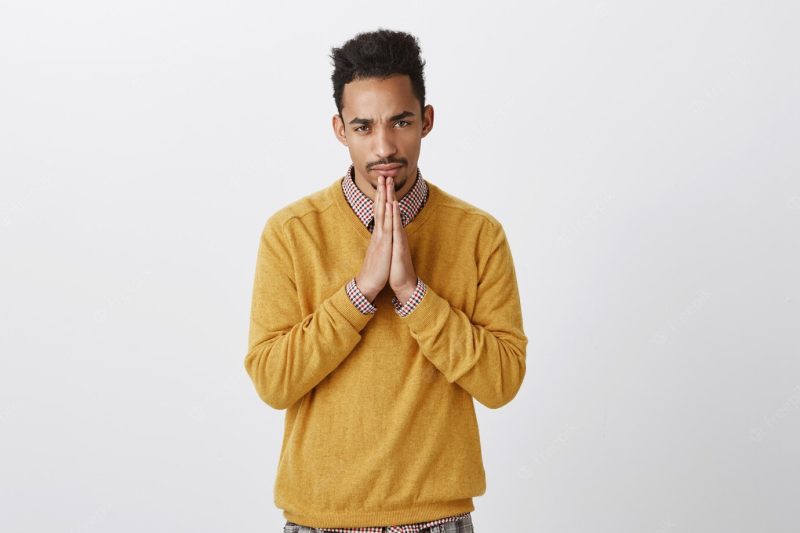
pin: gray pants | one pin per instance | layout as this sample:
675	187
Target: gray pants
462	525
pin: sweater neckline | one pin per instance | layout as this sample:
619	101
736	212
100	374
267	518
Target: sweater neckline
346	212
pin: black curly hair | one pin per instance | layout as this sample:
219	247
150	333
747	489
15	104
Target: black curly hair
378	54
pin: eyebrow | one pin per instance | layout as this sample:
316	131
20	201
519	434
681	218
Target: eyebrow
404	114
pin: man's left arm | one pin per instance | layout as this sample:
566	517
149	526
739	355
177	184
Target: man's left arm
485	355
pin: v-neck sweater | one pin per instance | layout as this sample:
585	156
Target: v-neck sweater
380	425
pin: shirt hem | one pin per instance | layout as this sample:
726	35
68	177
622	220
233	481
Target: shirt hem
381	518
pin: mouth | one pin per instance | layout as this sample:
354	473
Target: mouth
386	170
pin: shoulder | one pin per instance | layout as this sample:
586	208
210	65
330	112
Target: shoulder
316	202
464	214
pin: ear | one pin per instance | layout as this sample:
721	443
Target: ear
338	129
427	120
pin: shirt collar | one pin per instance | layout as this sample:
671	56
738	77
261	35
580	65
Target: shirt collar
410	204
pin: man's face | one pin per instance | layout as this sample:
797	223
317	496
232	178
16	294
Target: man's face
381	126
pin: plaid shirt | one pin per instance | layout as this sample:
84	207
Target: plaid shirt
407	528
410	204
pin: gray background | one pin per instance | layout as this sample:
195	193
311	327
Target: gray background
642	157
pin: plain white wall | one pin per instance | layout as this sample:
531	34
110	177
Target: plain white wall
642	157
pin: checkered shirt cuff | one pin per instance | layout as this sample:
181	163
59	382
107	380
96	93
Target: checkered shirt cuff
358	299
413	301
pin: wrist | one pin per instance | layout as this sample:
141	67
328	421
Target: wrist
404	293
369	293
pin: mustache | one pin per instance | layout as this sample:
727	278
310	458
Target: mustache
388	162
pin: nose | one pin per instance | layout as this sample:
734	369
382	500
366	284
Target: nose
385	145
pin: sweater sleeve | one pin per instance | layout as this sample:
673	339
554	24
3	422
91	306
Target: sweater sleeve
485	355
288	353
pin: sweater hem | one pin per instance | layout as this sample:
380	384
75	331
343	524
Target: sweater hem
381	518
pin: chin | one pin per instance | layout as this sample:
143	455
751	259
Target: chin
397	184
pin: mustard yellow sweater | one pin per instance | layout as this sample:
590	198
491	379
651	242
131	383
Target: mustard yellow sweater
380	426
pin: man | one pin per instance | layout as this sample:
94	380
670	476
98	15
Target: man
382	306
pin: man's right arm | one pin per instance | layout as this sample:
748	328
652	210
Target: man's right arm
288	354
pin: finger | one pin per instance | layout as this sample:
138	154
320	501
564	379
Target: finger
379	206
390	191
390	195
387	222
398	223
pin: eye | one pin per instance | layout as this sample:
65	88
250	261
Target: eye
358	128
399	121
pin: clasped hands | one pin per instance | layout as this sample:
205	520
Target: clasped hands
388	256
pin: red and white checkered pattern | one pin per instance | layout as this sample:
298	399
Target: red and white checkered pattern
406	528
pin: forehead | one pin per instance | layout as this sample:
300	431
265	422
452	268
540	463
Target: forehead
368	97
